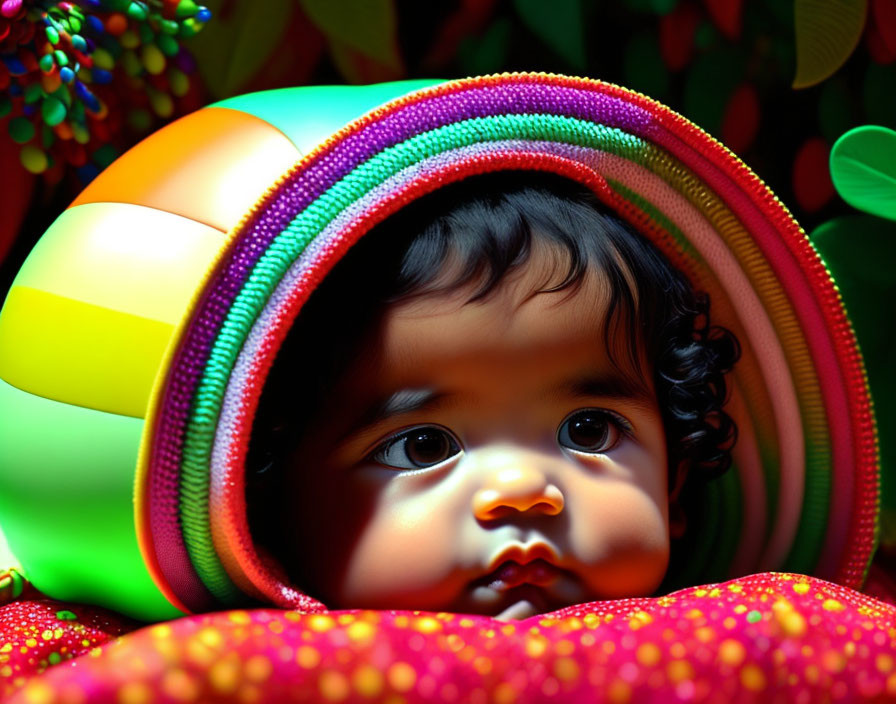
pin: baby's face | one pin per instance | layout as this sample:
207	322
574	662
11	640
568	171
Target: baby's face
487	458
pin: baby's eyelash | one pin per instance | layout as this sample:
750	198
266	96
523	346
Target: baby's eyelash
623	423
416	448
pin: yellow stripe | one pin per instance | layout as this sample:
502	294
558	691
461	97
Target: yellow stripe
78	353
123	257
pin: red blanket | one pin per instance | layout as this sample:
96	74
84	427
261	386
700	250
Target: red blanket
774	637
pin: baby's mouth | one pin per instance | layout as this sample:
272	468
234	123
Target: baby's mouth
514	590
511	574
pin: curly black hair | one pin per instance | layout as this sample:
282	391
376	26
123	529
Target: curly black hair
486	227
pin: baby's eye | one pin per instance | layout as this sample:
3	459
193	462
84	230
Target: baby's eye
417	448
590	430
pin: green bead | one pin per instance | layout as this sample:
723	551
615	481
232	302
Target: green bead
33	159
52	111
5	106
33	93
74	25
754	616
131	64
137	11
64	94
146	34
140	120
46	63
189	29
52	34
168	26
47	137
179	82
186	8
167	44
21	130
103	59
82	136
61	58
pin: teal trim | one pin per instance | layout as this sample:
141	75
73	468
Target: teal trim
311	114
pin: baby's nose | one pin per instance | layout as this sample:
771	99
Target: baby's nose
515	482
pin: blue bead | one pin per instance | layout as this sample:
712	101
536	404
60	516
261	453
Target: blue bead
95	23
88	98
66	74
16	67
204	14
101	76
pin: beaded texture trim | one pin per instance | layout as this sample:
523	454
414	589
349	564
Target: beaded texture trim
802	495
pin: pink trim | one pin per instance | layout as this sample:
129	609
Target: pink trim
778	247
769	354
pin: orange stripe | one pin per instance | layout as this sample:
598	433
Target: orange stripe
211	166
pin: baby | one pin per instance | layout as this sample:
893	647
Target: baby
514	390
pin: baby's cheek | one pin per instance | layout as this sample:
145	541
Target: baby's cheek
406	554
620	532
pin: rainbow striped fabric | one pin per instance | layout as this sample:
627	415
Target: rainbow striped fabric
802	495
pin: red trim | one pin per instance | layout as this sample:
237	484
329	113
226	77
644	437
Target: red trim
859	540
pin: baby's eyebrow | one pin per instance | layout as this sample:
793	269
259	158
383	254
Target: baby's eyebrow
396	404
614	386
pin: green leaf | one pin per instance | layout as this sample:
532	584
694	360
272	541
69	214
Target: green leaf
877	94
559	24
709	85
367	26
645	70
863	169
488	53
859	251
835	109
236	43
659	7
827	32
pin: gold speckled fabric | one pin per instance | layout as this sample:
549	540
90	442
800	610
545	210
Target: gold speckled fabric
768	637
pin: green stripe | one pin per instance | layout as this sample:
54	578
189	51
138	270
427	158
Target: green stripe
809	539
66	497
693	553
730	525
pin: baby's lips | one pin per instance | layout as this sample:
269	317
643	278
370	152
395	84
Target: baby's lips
511	574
